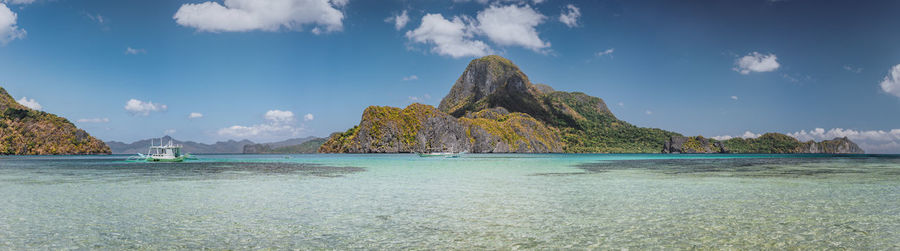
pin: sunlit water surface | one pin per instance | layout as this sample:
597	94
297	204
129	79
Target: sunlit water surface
473	202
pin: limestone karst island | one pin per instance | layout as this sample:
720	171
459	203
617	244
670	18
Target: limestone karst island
494	108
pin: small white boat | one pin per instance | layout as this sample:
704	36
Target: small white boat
450	154
162	153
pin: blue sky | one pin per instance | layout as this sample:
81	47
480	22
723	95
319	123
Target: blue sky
268	70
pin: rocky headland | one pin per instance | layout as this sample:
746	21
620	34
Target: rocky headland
25	131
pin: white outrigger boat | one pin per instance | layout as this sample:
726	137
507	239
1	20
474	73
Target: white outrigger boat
450	154
162	153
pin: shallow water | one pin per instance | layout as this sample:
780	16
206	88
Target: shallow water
551	201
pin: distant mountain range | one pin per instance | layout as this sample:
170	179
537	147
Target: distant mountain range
230	146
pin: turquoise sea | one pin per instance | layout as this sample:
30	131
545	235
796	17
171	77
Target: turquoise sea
479	201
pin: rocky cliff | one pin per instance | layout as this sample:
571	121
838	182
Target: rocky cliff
24	131
419	128
766	143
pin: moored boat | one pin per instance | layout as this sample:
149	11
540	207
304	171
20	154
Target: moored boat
170	152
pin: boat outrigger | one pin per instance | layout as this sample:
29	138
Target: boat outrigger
162	153
450	154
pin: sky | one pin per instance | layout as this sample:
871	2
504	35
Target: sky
209	71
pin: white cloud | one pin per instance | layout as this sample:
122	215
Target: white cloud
96	18
570	16
450	38
270	15
133	51
852	69
411	77
621	104
734	97
606	52
279	125
746	135
308	117
423	98
499	1
8	29
18	1
30	103
93	120
169	131
195	115
399	20
756	62
279	116
512	26
137	107
648	112
891	82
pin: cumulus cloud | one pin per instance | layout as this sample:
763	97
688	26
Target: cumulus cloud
734	97
195	115
133	51
93	120
399	20
30	103
570	16
512	25
279	124
169	131
8	29
279	116
891	82
449	37
138	107
746	135
308	117
270	15
410	77
648	112
756	62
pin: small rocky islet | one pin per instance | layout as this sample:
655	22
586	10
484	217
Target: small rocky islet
494	108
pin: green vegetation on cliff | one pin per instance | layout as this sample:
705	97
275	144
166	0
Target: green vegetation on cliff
24	131
766	143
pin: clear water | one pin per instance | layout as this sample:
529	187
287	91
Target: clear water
474	202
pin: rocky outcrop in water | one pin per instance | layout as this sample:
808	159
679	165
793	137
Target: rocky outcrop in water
834	146
766	143
698	144
422	128
25	131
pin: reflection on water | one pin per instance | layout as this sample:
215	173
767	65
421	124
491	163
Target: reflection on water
474	202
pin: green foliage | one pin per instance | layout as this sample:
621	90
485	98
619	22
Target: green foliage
26	131
588	126
767	143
